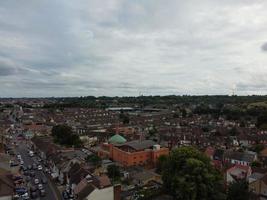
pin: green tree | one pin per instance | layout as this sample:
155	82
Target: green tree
233	131
242	123
256	164
238	190
184	112
176	115
188	175
160	163
94	159
262	121
152	131
114	172
63	135
124	118
257	148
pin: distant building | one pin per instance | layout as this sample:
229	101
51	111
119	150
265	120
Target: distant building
119	109
237	172
133	153
258	185
240	158
97	188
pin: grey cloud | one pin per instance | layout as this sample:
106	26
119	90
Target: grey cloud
6	70
264	47
85	47
7	67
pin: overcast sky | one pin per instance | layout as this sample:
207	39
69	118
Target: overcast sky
128	47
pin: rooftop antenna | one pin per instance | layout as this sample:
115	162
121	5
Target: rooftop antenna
233	90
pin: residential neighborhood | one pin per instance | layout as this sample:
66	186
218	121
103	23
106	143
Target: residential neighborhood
116	153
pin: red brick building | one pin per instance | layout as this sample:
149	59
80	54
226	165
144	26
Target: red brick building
145	152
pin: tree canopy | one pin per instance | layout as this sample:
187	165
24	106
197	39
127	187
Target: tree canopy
239	190
188	175
160	163
257	148
94	159
262	121
113	172
124	118
63	135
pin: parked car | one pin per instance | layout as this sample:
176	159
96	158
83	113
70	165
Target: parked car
31	153
42	192
29	167
14	164
23	168
27	173
34	166
33	189
36	181
40	186
71	196
40	167
16	197
28	178
34	195
25	196
32	173
44	180
20	190
11	153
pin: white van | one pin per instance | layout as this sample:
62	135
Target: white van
31	153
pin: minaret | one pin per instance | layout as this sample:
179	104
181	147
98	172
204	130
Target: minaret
233	90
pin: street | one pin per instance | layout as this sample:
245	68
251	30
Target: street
49	188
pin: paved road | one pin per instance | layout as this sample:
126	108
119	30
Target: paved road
50	190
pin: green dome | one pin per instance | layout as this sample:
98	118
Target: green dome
117	139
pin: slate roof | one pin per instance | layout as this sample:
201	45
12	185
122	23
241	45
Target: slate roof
83	189
88	188
45	144
79	175
263	153
74	154
256	176
242	156
145	176
102	181
218	154
264	179
140	145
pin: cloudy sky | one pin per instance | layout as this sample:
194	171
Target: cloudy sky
128	47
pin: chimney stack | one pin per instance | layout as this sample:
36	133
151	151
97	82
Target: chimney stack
117	192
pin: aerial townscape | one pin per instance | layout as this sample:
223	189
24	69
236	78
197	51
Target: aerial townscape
133	99
130	148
